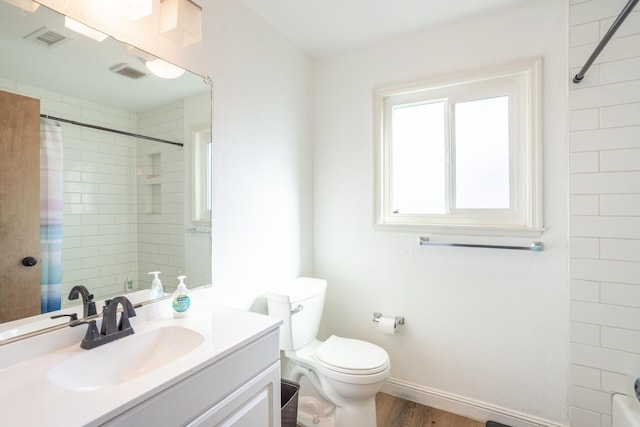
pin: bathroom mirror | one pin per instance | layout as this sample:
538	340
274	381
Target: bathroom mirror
128	201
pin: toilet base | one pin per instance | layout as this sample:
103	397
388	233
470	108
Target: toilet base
311	413
361	413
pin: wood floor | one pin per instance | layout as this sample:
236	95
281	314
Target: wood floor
395	412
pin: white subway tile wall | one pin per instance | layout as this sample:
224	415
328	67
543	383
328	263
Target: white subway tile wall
161	175
108	237
604	146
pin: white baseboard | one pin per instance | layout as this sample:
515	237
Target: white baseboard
461	405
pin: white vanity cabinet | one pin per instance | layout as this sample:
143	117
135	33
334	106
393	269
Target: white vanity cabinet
216	367
250	405
242	389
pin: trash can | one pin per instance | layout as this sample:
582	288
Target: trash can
289	402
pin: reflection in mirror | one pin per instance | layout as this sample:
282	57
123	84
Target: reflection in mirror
131	205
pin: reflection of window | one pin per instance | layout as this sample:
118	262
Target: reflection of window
461	154
201	190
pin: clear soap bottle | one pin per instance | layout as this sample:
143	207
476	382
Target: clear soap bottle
157	290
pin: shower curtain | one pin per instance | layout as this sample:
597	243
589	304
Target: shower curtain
51	204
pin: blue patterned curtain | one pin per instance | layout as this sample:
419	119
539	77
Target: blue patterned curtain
51	205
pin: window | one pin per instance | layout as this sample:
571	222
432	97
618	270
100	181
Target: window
201	176
461	154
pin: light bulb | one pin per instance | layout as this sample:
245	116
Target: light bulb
164	69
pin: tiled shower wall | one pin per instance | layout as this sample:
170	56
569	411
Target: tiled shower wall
161	196
104	244
99	228
604	146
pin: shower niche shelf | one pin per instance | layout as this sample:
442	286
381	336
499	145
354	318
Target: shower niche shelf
153	187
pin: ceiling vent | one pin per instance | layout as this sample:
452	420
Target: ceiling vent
127	71
47	37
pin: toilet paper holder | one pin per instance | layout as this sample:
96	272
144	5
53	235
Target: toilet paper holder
399	320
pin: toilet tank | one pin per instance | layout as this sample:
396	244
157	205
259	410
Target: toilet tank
299	304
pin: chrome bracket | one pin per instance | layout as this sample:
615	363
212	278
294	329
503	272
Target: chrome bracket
399	320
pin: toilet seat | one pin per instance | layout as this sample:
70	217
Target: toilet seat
351	356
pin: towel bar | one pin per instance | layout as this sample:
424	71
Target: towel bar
534	246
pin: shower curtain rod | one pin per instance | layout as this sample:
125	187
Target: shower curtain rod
120	132
614	27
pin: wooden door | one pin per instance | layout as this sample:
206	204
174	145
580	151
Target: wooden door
19	206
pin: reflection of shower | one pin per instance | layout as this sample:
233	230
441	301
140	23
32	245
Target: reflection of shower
106	129
51	207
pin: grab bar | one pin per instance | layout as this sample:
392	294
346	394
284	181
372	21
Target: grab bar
534	246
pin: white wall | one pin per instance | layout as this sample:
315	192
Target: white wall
486	330
605	209
262	192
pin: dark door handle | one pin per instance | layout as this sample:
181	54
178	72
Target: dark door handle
29	261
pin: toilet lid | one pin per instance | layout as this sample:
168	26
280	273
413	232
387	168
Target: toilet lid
352	356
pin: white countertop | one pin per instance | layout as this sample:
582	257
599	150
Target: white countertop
29	398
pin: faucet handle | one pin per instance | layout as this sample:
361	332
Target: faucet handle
91	306
92	338
72	316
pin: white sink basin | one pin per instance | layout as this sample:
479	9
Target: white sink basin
125	359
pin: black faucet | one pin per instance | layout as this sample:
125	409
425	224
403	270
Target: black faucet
88	304
111	329
110	325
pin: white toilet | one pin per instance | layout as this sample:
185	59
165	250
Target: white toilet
346	373
624	411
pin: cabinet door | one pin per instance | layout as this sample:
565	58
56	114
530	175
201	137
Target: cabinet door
255	404
184	401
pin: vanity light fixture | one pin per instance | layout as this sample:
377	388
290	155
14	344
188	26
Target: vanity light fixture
79	27
132	9
163	69
181	21
28	5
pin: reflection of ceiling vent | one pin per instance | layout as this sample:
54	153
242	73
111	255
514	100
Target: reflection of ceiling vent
47	37
127	71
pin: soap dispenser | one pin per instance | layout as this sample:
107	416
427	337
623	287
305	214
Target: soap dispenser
157	289
180	299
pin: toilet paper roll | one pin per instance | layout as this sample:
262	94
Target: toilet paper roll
387	325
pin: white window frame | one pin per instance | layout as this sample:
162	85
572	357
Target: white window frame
200	184
521	81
